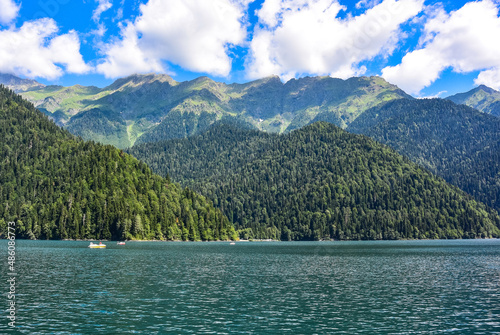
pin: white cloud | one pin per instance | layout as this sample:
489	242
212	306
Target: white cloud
306	36
465	40
194	34
125	57
103	5
8	12
490	78
35	50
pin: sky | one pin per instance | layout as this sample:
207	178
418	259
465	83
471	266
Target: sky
427	48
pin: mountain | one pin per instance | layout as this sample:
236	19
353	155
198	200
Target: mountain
453	141
56	186
318	182
149	108
100	125
482	98
17	84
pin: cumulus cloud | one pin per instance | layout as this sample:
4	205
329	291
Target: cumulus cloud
307	36
102	6
35	50
9	11
125	56
489	78
194	34
465	40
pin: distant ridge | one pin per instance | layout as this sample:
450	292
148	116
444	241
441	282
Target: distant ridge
18	84
151	107
482	98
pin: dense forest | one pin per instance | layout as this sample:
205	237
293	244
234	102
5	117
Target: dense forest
453	141
56	186
319	182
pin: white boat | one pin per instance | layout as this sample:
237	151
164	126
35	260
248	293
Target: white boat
120	243
97	246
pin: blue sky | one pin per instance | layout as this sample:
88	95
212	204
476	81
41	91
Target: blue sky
428	48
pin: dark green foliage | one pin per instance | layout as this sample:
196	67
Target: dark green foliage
318	182
99	125
178	124
55	186
455	142
329	117
264	100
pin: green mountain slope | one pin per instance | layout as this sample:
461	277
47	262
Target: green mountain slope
482	98
455	142
101	126
318	182
156	107
55	186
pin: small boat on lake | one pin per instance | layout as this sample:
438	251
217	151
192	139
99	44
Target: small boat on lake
97	246
120	243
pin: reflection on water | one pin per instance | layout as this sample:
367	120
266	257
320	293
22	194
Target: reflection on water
403	287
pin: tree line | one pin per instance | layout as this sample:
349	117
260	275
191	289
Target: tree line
319	182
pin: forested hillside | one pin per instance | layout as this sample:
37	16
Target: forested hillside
318	182
55	186
454	141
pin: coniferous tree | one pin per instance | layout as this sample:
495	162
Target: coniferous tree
56	186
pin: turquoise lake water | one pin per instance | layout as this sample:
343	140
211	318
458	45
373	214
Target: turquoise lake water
400	287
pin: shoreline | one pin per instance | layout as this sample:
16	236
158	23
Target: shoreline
256	240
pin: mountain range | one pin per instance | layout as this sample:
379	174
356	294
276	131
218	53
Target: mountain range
259	156
147	108
153	107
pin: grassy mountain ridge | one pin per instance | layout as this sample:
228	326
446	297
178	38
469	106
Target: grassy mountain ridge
456	142
157	107
317	182
56	186
482	98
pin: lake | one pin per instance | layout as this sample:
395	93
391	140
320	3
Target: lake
386	287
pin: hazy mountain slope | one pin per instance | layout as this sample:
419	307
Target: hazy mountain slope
482	98
157	107
454	141
318	182
17	84
56	186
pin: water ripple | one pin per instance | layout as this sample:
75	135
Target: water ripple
415	287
